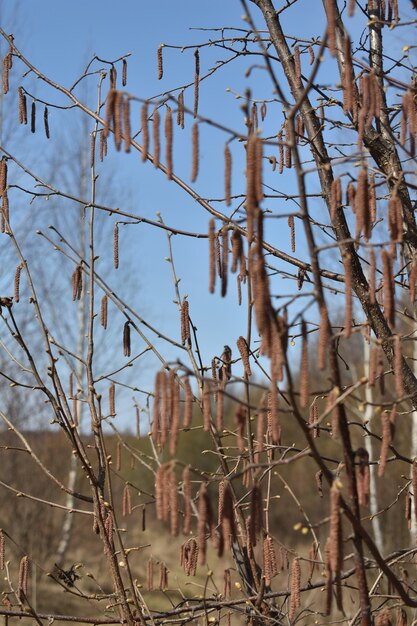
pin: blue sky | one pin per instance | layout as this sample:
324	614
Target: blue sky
59	38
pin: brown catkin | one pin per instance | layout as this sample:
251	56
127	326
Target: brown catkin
2	550
33	117
351	10
288	148
46	122
110	103
186	490
185	323
163	577
328	570
237	250
281	152
227	175
118	117
295	600
329	6
116	246
206	407
180	111
412	282
304	369
103	311
363	476
335	197
6	67
175	414
291	224
188	403
127	501
112	398
256	513
124	72
155	132
205	518
372	277
160	61
173	504
126	339
145	130
23	115
312	419
103	146
212	255
195	153
168	141
126	122
22	588
113	77
383	618
196	81
225	260
77	283
244	353
17	275
385	443
297	64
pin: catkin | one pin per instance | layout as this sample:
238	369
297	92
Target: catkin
116	246
385	443
304	369
196	81
212	256
124	72
112	400
126	339
227	175
33	117
297	64
195	153
329	6
180	112
363	476
295	600
127	501
185	323
244	353
22	588
103	311
155	132
46	122
6	67
118	117
110	102
126	123
205	518
23	116
149	575
77	283
281	152
256	513
17	275
103	146
414	485
168	141
113	77
173	503
160	62
291	224
175	413
323	341
225	260
145	130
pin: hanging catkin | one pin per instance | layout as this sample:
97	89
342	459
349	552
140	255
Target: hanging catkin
17	275
22	588
155	132
126	339
205	519
323	341
185	323
145	130
2	550
398	373
180	112
6	67
112	400
33	118
385	443
127	501
103	311
225	260
23	116
304	369
227	175
195	153
126	122
116	246
363	476
212	255
46	122
160	62
295	601
196	81
77	283
297	64
292	232
168	141
118	118
244	353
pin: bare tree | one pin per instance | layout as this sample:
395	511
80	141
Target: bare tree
330	149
